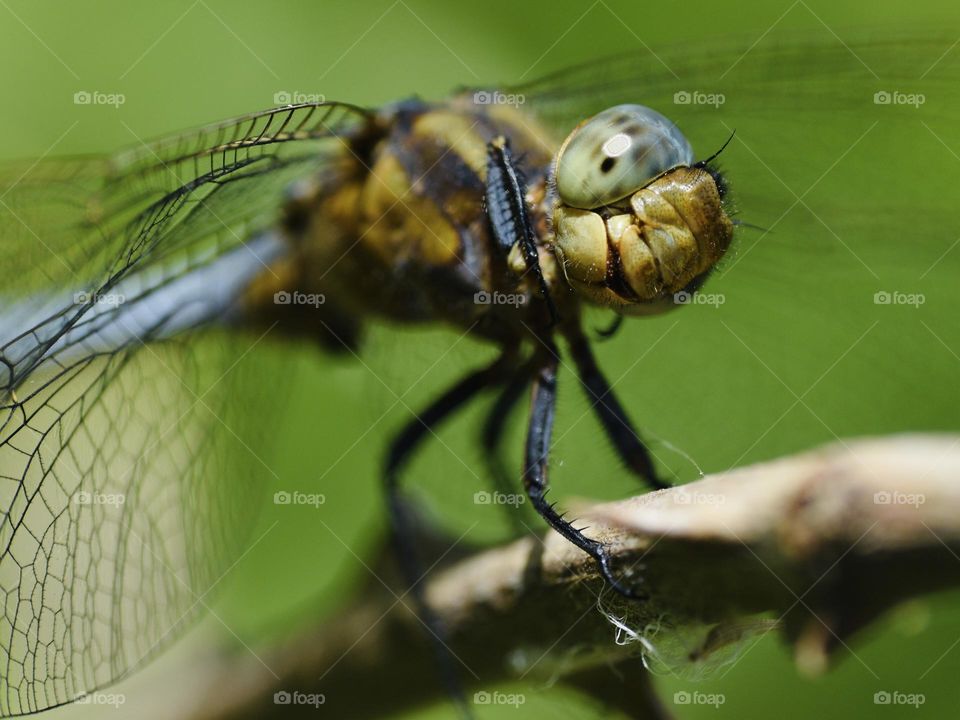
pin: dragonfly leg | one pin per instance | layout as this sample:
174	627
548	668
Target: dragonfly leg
402	521
614	419
542	409
612	329
491	440
505	198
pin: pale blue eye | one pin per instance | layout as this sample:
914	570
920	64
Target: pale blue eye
617	152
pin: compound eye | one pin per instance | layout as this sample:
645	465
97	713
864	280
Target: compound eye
615	153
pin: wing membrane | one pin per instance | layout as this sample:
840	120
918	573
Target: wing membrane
125	461
101	221
804	73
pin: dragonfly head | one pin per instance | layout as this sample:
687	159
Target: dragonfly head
636	221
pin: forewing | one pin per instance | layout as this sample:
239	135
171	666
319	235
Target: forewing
126	458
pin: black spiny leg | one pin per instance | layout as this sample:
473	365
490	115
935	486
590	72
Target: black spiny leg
542	406
491	439
616	423
401	520
506	202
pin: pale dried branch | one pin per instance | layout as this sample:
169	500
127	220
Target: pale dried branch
823	542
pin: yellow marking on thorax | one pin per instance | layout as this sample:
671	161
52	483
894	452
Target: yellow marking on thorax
540	141
458	132
401	226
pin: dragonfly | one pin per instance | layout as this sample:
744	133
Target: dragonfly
132	283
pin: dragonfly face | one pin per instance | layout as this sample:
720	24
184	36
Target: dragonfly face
635	220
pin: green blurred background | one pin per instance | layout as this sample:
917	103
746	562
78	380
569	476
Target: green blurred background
714	387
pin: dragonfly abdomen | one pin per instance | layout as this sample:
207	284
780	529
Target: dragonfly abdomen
155	303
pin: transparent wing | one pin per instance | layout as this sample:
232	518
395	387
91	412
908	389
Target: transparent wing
88	225
125	461
765	77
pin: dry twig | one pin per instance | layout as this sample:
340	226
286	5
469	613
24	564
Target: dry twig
824	541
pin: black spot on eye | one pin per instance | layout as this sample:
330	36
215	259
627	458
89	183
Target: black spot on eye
607	164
